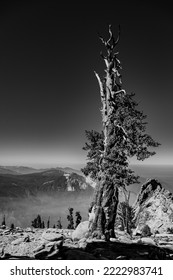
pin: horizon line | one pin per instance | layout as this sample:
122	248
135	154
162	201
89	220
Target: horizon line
76	166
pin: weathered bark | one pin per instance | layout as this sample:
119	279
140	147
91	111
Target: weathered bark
103	210
104	206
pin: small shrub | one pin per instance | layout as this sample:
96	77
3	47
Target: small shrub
3	221
37	222
78	218
70	219
48	222
42	224
59	225
12	226
146	231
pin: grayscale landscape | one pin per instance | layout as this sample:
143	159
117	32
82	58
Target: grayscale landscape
48	193
86	139
26	192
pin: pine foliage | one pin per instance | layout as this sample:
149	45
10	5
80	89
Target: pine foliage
78	218
124	128
3	221
70	218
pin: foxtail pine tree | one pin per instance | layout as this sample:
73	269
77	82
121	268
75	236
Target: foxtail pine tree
123	137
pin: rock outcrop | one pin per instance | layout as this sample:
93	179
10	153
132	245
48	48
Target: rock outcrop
81	231
154	207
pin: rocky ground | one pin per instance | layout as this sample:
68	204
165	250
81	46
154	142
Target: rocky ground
61	244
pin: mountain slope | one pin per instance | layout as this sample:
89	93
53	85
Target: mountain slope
49	182
5	170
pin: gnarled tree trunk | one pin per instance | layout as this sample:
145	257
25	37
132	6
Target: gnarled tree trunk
103	210
104	205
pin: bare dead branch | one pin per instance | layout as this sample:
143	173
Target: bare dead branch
118	37
119	91
102	91
125	135
110	35
101	38
104	58
111	42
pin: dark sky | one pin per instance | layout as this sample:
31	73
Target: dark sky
49	94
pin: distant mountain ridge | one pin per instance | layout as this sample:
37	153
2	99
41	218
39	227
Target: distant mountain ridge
4	170
32	183
19	170
24	181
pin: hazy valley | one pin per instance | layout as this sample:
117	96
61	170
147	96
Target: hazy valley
26	192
